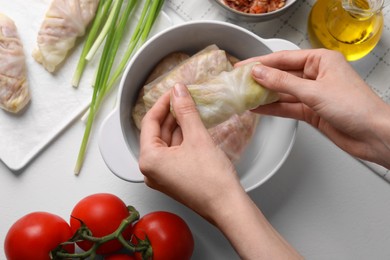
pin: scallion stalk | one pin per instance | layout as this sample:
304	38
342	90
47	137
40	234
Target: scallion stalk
142	31
119	32
102	71
104	83
103	33
101	14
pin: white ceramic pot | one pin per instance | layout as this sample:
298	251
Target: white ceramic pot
119	138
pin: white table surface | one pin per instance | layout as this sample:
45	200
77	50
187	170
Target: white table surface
324	202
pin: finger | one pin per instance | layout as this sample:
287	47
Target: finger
298	111
167	128
185	110
160	109
295	70
284	60
286	98
151	123
284	82
287	60
304	61
177	137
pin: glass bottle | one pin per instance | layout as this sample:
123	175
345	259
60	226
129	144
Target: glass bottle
353	27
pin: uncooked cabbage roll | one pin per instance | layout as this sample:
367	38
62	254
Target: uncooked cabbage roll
229	93
166	64
233	135
196	69
65	20
14	92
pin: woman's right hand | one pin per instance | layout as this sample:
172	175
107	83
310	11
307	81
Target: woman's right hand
178	156
320	87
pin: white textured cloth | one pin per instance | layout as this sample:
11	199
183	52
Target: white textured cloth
292	26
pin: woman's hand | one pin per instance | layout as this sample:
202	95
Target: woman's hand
321	88
180	158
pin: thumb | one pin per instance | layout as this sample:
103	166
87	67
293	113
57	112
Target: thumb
185	110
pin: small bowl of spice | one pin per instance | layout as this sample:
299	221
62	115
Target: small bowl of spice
254	10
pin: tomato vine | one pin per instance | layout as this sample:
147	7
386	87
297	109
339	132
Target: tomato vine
84	234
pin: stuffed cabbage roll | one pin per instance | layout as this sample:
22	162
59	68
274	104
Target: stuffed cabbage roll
233	135
196	69
14	91
166	64
229	93
65	20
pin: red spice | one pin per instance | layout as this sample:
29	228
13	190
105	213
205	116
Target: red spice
255	6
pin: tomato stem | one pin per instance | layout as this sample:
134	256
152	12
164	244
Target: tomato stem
84	234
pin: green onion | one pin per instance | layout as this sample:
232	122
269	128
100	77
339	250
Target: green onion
104	31
143	28
104	83
101	14
148	16
101	75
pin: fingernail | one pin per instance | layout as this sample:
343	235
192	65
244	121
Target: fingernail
180	90
259	71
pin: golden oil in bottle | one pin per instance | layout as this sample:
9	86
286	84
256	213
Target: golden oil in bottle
354	32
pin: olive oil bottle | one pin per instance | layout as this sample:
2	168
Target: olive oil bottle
352	27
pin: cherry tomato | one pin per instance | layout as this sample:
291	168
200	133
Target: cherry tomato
119	257
169	236
102	213
35	235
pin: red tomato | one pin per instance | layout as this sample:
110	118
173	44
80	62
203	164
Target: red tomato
35	235
169	236
102	213
120	257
